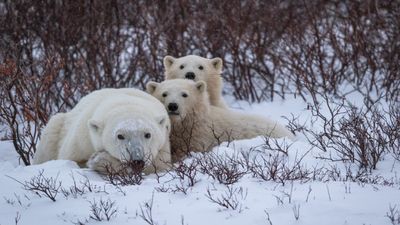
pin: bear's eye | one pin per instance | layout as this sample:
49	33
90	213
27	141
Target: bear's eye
120	137
147	135
164	94
181	67
201	67
184	95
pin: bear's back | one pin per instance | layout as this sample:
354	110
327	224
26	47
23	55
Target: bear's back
106	99
127	100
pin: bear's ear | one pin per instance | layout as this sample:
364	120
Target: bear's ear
168	61
216	63
95	125
151	86
201	86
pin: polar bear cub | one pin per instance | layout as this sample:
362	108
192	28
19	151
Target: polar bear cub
109	125
197	68
199	126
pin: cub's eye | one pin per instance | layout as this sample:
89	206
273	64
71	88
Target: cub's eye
164	94
120	137
147	135
181	67
184	95
201	67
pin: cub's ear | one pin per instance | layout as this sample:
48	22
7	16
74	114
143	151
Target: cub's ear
201	86
216	63
95	125
168	61
161	120
151	86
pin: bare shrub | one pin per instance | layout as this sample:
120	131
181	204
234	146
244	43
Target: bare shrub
102	210
81	188
339	44
365	137
273	145
350	134
393	215
80	222
146	212
270	49
187	171
18	200
130	172
276	167
17	218
268	217
361	139
285	194
42	186
296	211
25	104
181	187
391	129
223	168
231	198
351	173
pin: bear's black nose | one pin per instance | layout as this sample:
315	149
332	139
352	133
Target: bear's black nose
172	107
137	165
190	75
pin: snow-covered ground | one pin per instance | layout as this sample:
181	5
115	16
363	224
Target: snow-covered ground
254	201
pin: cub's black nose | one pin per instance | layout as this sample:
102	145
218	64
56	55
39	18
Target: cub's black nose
190	75
172	107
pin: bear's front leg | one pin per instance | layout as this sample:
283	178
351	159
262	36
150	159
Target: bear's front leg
103	162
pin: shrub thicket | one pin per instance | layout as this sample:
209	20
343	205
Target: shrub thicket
53	52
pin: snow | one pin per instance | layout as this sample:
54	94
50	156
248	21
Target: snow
321	201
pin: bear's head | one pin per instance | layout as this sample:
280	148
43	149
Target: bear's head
180	97
191	67
128	136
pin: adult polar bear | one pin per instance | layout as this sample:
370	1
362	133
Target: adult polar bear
193	67
199	126
109	125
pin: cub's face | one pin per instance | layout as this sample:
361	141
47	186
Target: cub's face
191	67
179	97
137	139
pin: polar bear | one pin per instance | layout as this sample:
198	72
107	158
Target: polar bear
199	126
197	68
109	125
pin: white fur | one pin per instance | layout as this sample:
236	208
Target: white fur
211	74
201	126
93	125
